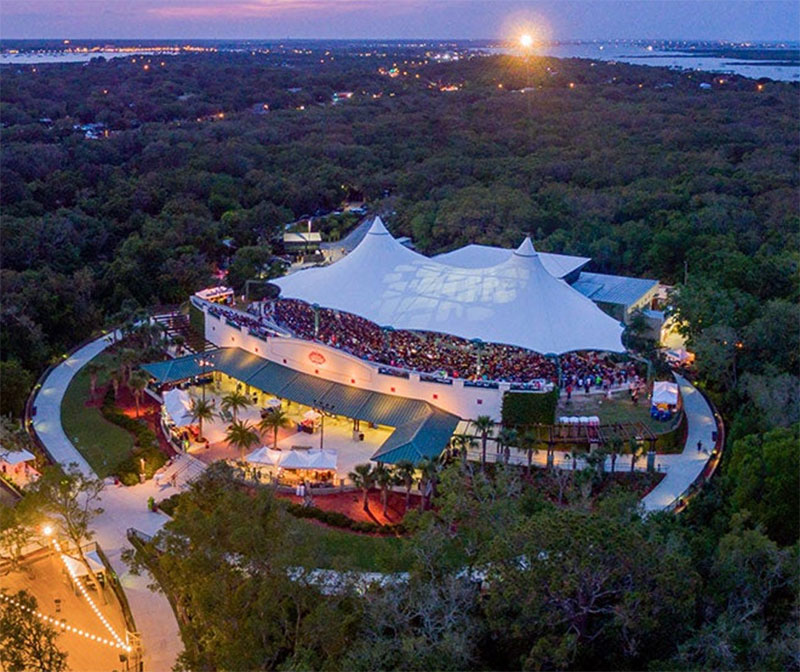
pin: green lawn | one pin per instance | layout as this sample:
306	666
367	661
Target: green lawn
103	444
618	409
346	550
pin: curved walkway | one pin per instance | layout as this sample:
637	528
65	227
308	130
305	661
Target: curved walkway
122	508
126	507
684	468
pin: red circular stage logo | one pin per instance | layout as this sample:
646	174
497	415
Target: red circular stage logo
316	357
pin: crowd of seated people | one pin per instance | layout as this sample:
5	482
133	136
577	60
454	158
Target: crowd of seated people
438	354
251	322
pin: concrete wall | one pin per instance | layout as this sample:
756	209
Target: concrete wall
337	366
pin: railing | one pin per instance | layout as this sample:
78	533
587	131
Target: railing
710	468
122	598
485	384
430	378
30	408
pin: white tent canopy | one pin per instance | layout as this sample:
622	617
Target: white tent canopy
516	302
178	405
665	392
265	456
481	256
316	459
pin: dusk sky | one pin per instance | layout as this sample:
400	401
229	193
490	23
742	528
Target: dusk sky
265	19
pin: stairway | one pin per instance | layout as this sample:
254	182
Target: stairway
186	468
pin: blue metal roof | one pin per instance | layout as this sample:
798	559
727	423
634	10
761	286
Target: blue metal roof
416	440
421	430
616	289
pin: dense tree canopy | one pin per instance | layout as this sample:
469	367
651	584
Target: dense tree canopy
641	178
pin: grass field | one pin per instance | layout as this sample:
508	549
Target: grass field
103	444
618	409
345	550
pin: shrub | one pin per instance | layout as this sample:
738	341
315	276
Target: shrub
145	444
169	504
529	408
336	519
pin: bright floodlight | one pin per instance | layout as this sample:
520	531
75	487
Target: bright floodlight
47	530
526	40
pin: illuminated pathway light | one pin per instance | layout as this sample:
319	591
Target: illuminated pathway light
120	643
67	628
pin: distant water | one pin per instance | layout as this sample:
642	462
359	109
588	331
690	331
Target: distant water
35	58
639	54
624	52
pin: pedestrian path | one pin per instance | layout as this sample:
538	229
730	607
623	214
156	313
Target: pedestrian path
122	508
680	469
685	467
126	507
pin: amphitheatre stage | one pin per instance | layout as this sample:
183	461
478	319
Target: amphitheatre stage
392	338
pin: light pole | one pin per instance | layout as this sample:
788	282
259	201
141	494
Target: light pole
204	364
322	408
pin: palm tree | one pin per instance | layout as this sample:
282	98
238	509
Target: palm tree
463	442
384	478
233	401
200	410
506	438
635	450
138	382
575	453
429	470
94	369
114	377
364	477
484	424
179	341
405	471
615	448
127	358
242	435
275	420
530	441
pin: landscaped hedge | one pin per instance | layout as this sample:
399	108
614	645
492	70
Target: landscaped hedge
336	519
145	444
529	408
673	441
169	504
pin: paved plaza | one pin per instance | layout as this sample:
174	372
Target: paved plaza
127	507
44	577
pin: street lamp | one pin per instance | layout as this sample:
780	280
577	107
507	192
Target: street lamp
204	364
322	408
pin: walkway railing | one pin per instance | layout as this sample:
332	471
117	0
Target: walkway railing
682	501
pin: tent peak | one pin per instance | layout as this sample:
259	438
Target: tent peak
526	249
378	228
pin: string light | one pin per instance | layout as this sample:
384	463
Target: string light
84	592
63	626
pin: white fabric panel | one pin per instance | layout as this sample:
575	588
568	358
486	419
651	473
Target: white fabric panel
516	302
665	392
178	405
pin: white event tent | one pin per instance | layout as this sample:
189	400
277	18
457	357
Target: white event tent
313	459
515	302
665	392
178	405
